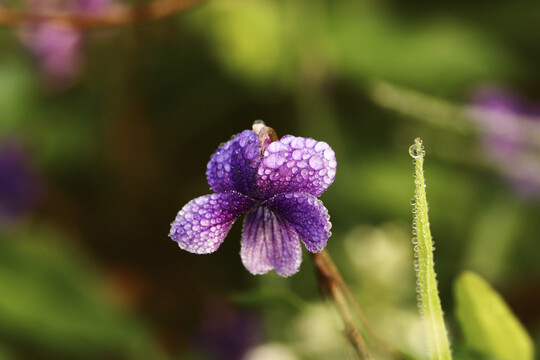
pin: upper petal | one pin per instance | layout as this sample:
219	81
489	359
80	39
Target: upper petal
234	165
307	215
296	164
203	223
269	242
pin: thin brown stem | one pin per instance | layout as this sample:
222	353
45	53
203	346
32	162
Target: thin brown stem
116	16
381	343
329	283
333	285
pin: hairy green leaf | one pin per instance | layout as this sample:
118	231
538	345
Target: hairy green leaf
428	295
488	323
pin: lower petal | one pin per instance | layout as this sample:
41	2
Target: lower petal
202	224
269	242
307	215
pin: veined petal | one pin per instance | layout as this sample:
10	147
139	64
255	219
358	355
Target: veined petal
307	215
296	164
234	165
203	223
269	242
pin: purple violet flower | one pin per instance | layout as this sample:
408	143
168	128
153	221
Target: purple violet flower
19	183
276	184
227	333
58	47
511	127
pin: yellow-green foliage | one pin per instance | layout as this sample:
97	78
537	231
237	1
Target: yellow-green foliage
487	322
428	296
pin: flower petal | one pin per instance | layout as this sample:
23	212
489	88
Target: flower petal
307	215
269	242
203	223
296	164
234	165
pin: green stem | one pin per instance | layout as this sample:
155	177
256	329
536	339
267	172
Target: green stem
428	295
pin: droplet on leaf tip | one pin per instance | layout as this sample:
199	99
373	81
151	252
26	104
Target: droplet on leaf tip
416	150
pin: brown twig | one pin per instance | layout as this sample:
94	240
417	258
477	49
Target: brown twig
381	343
333	285
116	16
330	285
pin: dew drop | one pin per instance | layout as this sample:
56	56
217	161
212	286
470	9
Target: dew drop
302	164
316	163
416	150
310	143
329	154
275	147
297	143
331	173
273	161
297	155
321	146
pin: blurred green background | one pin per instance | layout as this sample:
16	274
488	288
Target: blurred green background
88	271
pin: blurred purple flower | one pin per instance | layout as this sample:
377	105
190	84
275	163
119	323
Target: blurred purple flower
226	333
511	127
277	190
19	183
58	47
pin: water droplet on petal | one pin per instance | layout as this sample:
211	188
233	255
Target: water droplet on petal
274	147
297	143
321	146
331	173
274	161
310	143
316	163
329	154
252	151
